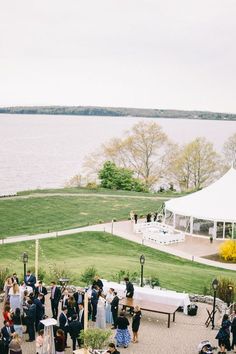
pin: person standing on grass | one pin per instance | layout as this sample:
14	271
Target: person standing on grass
55	298
136	323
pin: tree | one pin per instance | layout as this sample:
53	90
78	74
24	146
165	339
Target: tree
196	164
229	150
114	177
145	150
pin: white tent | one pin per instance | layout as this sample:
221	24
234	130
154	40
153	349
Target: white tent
210	211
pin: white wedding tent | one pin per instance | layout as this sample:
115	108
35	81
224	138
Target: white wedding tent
210	211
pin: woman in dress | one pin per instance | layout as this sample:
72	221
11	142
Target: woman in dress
17	320
15	344
109	298
101	312
60	342
7	315
39	342
122	333
7	287
15	298
223	335
136	323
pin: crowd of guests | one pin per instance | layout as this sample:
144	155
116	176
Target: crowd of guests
24	308
223	335
150	217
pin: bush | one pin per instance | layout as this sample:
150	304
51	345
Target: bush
91	185
88	275
41	273
4	273
153	281
223	291
95	338
122	273
57	273
227	250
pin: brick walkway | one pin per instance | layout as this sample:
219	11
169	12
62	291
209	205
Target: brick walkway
182	337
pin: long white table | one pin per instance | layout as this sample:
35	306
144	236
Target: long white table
166	297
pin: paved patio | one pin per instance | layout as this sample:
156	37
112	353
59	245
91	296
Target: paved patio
182	337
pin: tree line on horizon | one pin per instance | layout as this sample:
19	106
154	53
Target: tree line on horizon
145	157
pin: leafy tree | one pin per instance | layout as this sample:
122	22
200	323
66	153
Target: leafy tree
113	177
229	150
228	250
196	164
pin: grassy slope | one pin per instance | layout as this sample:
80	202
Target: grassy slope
110	254
38	215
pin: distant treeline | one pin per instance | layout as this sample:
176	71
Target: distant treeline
117	112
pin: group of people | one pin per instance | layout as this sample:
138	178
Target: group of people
24	305
150	217
223	334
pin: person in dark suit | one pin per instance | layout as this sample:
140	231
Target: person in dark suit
7	332
74	330
129	288
30	279
79	298
40	289
30	320
55	298
39	310
81	314
15	279
64	299
63	323
114	309
97	282
94	302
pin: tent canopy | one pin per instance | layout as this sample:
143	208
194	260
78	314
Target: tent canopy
215	202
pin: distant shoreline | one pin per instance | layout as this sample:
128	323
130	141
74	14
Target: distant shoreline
117	112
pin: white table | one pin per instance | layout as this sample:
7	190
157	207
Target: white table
166	297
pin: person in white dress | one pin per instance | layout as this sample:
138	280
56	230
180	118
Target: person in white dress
101	313
15	298
109	298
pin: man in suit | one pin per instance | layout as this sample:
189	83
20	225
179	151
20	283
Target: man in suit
114	309
39	310
55	298
74	330
129	288
30	279
79	298
30	320
63	323
40	289
7	332
81	314
15	279
94	302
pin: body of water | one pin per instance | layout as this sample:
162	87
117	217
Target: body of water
40	151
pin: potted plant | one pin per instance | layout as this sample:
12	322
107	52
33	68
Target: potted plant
95	338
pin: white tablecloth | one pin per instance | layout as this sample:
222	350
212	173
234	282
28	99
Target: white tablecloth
166	297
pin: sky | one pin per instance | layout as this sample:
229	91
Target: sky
165	54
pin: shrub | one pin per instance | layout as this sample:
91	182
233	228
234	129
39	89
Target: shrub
122	273
95	338
227	250
91	185
223	291
88	275
153	281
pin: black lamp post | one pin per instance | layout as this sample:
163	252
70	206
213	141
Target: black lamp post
142	261
25	258
215	284
229	297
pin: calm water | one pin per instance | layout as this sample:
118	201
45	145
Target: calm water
45	151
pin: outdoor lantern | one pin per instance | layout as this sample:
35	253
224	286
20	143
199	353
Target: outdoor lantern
215	284
25	258
142	259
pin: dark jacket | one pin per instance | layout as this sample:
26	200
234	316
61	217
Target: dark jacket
39	309
98	282
31	313
115	303
43	291
59	343
75	328
6	335
63	321
136	321
94	297
57	295
31	281
122	322
129	290
77	296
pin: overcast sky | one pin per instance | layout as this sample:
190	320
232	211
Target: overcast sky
136	53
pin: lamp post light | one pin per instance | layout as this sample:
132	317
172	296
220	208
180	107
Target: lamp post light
230	291
25	259
215	284
142	261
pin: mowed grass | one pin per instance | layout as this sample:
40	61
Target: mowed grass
109	254
53	213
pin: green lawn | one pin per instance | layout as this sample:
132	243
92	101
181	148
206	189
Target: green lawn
109	254
53	213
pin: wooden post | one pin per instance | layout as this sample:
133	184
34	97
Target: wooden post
112	225
85	317
36	258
